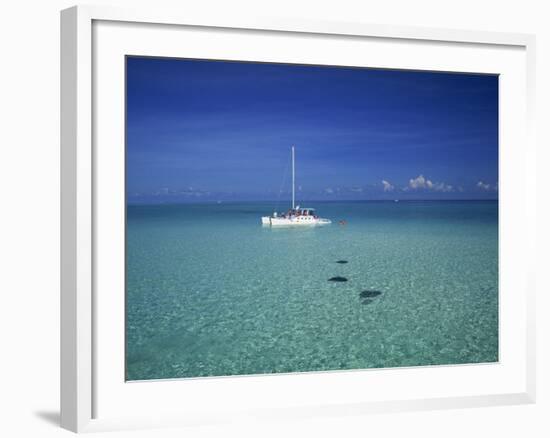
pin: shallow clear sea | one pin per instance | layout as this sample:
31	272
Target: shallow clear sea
211	292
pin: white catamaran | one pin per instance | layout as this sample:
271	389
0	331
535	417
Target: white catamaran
296	216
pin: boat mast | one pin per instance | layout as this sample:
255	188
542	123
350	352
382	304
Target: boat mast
293	177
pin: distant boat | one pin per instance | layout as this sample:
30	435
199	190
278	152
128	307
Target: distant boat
296	216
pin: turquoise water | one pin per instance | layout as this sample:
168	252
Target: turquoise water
211	292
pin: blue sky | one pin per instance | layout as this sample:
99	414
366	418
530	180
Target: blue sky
213	130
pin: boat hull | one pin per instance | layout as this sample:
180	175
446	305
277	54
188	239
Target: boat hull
300	221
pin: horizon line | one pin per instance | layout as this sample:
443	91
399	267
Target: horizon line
250	201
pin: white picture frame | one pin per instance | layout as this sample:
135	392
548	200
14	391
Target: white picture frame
84	373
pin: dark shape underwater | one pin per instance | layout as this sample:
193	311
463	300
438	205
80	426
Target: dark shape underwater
338	279
342	262
370	293
367	301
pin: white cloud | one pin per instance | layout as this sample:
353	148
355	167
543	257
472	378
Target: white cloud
421	182
442	187
329	190
190	191
483	186
418	182
388	187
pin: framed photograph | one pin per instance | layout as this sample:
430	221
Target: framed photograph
282	218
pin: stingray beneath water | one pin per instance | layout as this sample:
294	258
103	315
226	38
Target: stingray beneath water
338	279
369	293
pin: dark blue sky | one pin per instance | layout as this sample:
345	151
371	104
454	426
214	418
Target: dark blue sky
210	130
